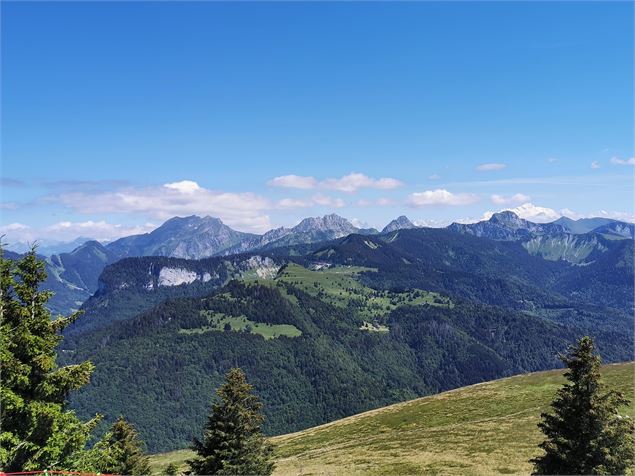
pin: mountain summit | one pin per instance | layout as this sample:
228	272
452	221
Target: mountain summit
190	237
400	223
506	225
332	224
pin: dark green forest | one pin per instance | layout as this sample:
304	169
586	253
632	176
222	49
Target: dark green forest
510	314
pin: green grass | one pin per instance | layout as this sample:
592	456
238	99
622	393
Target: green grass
340	287
218	322
488	428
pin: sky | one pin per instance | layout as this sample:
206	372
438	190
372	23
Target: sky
119	115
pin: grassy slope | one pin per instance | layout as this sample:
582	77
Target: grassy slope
481	429
339	286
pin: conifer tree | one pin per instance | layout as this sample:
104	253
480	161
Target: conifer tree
232	440
585	432
37	432
172	469
122	451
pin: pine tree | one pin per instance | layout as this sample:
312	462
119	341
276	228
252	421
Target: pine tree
38	432
122	451
585	433
172	469
232	441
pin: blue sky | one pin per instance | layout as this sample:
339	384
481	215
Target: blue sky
118	115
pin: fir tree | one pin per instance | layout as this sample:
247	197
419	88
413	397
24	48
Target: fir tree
38	432
232	441
122	451
585	433
172	469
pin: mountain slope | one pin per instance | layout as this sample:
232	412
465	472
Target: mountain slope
191	237
506	225
400	223
487	428
578	242
317	344
583	225
309	230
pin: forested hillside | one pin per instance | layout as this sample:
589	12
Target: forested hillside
359	323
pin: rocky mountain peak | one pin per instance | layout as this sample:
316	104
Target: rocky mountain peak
508	218
330	222
399	223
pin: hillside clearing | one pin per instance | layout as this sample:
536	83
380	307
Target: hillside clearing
487	428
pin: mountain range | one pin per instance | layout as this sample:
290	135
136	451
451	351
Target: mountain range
73	275
339	326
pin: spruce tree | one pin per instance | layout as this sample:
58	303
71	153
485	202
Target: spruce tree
122	451
232	440
38	432
585	432
172	469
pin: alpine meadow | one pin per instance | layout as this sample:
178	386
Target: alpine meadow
314	238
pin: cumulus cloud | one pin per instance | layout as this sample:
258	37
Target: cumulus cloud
315	200
379	202
490	166
530	212
595	165
348	183
244	211
618	161
326	201
440	196
184	186
614	215
293	181
431	223
68	231
99	230
505	200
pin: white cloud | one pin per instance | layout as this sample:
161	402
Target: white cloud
326	201
431	223
384	202
357	223
184	186
99	230
490	166
530	212
244	211
379	202
290	203
293	181
68	231
316	200
595	165
440	197
348	183
14	227
614	215
618	161
434	177
505	200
